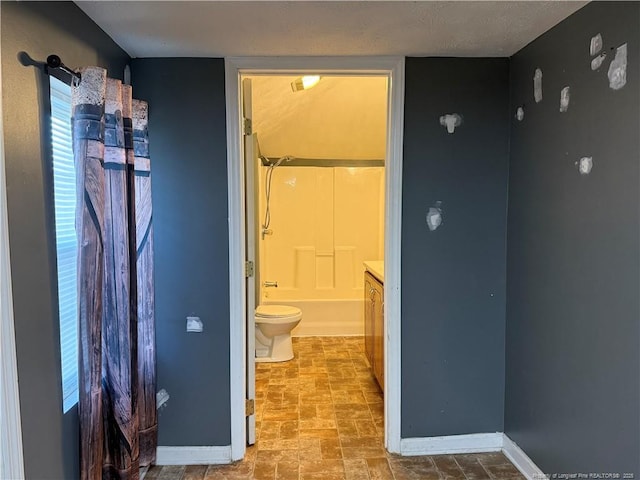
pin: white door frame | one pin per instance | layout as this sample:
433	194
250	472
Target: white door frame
393	68
11	457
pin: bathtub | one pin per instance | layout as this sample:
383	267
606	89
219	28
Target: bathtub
326	222
326	317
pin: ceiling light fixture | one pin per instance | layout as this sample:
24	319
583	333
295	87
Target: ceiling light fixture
305	83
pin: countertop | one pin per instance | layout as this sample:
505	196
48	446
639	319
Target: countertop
376	268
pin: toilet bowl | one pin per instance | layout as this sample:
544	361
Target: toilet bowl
273	332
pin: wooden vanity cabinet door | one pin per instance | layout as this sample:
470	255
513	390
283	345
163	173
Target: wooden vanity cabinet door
378	334
368	317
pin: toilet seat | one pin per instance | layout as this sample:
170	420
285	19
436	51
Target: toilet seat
284	312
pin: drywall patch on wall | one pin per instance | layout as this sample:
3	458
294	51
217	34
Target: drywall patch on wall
451	121
434	216
596	44
596	63
194	324
520	113
618	68
537	85
162	397
595	47
585	165
565	95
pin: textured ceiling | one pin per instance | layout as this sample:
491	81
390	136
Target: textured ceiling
309	28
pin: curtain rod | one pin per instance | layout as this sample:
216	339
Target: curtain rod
322	162
54	63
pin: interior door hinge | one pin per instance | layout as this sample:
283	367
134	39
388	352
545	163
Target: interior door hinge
249	407
248	269
247	127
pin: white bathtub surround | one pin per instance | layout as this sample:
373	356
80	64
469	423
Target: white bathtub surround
326	318
325	222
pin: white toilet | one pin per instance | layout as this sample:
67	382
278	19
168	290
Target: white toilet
273	332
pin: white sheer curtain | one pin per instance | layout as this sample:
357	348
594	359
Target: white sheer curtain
11	459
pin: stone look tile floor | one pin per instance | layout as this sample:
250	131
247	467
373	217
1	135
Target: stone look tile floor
320	416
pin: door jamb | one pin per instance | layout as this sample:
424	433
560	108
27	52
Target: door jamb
393	67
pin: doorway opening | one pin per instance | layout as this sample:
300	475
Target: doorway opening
333	204
318	159
315	218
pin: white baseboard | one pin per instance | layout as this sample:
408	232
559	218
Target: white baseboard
521	460
451	444
193	455
447	445
473	443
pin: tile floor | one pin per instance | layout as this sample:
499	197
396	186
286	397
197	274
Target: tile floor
320	416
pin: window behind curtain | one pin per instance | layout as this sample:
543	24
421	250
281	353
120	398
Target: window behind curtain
64	189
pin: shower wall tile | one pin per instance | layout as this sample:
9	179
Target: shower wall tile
305	268
347	273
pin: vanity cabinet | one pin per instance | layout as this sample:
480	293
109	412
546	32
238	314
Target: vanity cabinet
374	325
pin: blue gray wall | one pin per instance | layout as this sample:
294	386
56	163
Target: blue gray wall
187	135
40	29
572	367
573	330
453	278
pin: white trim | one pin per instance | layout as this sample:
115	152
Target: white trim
237	306
392	267
11	455
193	455
473	443
452	444
521	460
393	67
